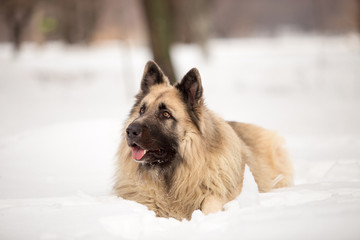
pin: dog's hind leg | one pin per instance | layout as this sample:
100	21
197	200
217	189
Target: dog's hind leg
267	159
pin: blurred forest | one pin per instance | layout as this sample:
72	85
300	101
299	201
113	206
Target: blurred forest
160	23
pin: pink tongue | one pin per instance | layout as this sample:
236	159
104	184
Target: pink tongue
137	152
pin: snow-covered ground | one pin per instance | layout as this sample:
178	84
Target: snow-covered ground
61	113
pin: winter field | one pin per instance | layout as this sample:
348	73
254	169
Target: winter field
62	110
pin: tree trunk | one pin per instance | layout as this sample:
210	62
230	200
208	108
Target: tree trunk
17	17
358	16
159	21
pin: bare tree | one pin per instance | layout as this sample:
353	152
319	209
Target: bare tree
78	19
159	22
17	15
192	21
358	15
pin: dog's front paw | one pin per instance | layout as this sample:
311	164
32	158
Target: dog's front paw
211	204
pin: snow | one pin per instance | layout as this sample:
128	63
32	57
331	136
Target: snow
62	110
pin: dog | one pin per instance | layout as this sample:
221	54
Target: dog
176	156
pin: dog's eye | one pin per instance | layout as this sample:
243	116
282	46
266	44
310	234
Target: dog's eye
166	114
142	110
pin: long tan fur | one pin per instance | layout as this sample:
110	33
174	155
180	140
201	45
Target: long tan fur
214	155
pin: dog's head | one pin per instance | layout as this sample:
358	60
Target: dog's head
162	115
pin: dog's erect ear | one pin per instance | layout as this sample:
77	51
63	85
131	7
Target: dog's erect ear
152	75
190	87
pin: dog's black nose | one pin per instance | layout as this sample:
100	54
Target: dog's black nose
134	130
